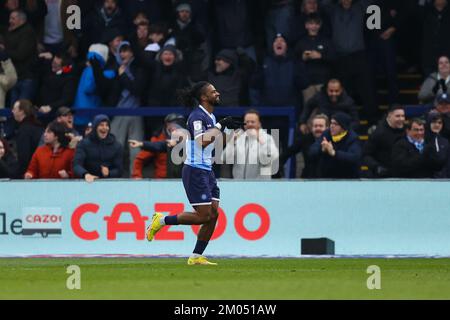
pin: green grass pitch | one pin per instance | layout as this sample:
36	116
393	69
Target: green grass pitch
129	278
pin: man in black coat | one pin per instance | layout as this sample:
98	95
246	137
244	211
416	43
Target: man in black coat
378	150
435	34
166	77
58	84
317	52
21	46
108	16
319	124
433	131
338	152
413	157
331	99
189	37
230	76
99	156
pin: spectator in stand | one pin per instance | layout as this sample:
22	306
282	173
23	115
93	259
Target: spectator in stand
132	84
27	133
279	18
437	83
99	156
56	37
378	150
8	76
58	85
158	36
280	80
159	149
317	52
435	33
413	157
234	24
8	7
433	132
8	162
318	125
230	76
338	152
155	10
53	160
21	46
329	100
254	154
382	47
189	37
65	116
306	8
348	23
443	107
166	77
93	84
140	39
36	10
100	20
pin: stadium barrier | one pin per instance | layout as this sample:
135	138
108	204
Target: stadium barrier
256	219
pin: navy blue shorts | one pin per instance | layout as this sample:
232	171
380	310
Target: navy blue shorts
200	185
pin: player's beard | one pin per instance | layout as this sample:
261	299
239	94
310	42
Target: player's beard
216	102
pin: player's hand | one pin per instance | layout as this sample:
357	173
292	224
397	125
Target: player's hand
230	123
105	171
135	144
90	178
63	174
28	176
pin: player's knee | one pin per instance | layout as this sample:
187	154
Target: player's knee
214	215
205	219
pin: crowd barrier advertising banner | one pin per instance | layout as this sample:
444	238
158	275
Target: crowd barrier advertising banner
256	218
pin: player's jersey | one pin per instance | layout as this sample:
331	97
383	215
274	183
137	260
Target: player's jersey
199	121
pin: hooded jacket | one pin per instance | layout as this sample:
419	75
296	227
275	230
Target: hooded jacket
92	153
88	93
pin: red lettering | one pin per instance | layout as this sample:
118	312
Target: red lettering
29	218
239	222
76	225
114	226
173	209
221	225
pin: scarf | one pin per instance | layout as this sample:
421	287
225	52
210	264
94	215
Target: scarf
339	137
418	144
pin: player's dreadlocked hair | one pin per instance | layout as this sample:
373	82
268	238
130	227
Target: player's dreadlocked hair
190	97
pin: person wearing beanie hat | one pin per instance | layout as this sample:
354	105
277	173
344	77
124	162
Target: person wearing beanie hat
184	6
89	163
378	149
338	153
231	75
54	159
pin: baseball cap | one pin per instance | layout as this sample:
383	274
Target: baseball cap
64	111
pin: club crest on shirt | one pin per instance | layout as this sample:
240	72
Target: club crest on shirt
197	125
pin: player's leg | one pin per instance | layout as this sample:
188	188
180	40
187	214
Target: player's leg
197	187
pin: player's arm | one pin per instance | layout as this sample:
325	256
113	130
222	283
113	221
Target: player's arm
210	135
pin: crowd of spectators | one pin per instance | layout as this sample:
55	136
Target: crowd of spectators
316	55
